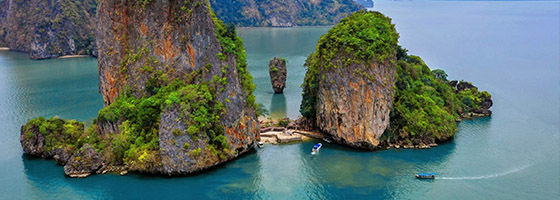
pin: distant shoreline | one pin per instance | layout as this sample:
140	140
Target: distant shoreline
4	49
74	56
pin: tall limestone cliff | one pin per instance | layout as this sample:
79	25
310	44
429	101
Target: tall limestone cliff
348	87
365	91
178	96
48	28
283	13
145	46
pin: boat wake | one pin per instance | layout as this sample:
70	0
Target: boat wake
486	176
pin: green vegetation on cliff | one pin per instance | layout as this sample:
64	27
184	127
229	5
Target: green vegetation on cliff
58	133
426	105
362	37
140	119
232	44
154	104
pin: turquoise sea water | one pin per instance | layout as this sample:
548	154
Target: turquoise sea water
511	49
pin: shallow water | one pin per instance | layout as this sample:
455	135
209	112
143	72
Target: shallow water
511	49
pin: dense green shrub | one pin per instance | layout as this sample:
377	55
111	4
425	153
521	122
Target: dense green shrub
425	105
283	123
140	118
59	133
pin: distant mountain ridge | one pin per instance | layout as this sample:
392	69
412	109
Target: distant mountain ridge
48	28
284	13
52	28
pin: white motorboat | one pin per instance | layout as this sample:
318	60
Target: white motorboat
316	148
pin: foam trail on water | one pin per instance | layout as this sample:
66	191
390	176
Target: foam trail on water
486	176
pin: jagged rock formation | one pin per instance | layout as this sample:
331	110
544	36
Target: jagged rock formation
278	72
348	88
48	29
177	92
283	13
37	139
84	162
57	138
143	46
481	105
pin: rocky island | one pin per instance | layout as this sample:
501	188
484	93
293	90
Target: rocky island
178	96
365	91
278	72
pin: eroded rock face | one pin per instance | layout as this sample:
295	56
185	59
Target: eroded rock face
462	85
48	29
141	45
278	71
34	142
355	109
83	163
348	90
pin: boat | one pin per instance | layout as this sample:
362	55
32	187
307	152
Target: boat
326	139
316	148
260	144
426	176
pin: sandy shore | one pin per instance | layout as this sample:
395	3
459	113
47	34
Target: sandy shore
275	137
74	56
4	49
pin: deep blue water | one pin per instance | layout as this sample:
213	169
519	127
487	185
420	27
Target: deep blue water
511	49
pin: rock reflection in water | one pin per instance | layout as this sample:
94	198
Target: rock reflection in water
278	106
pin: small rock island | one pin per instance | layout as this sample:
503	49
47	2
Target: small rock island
278	71
364	90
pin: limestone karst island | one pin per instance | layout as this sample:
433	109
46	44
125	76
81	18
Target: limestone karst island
307	99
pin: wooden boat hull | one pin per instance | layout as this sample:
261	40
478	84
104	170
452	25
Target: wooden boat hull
425	177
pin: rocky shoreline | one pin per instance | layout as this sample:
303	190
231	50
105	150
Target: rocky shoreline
300	127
